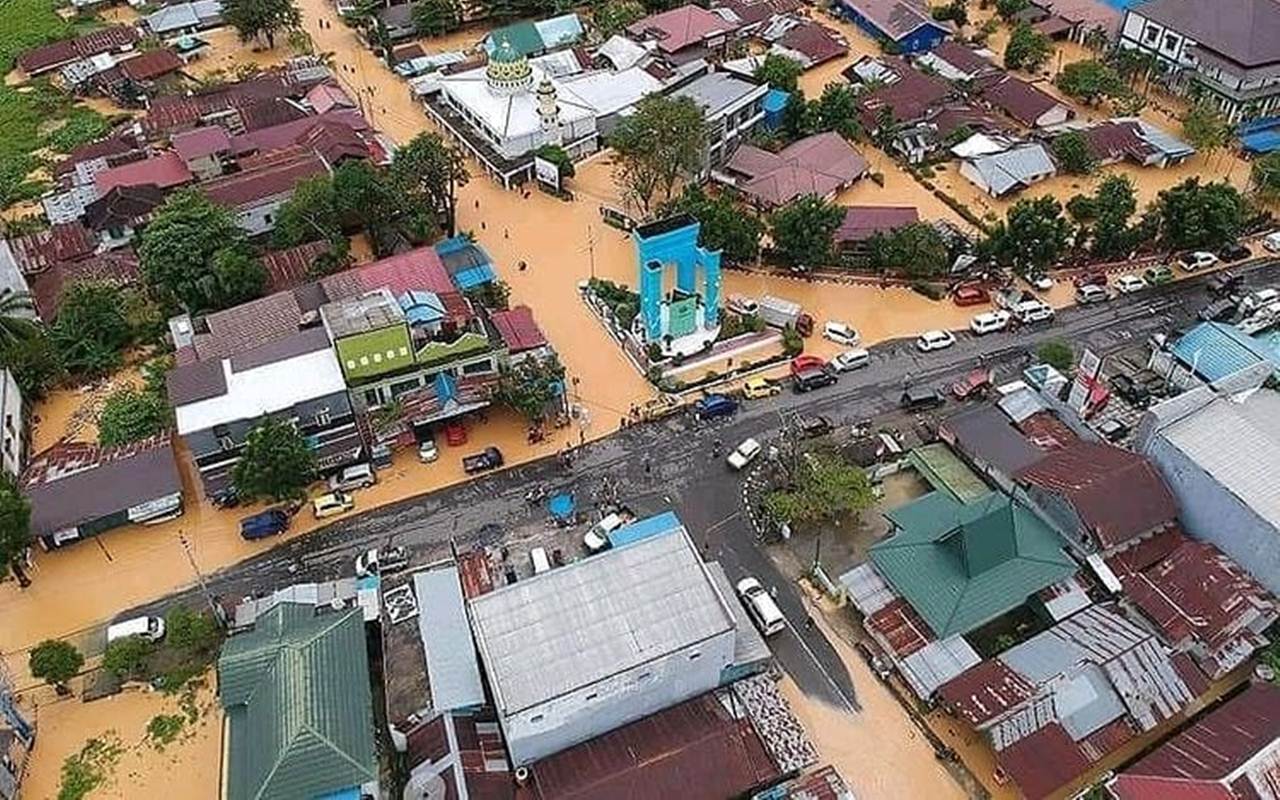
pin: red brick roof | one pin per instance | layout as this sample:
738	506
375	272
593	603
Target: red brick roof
862	222
104	40
820	164
899	628
163	171
417	269
518	329
815	42
151	64
264	178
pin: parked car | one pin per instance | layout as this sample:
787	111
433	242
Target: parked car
148	628
1271	242
1225	283
332	504
1128	284
1130	390
744	453
814	378
990	322
840	333
1235	251
921	398
1113	430
741	304
970	295
1258	299
1040	281
1196	260
381	561
490	458
1091	293
1089	279
760	604
427	450
815	426
715	405
975	384
806	361
597	536
850	360
935	340
356	476
1221	310
1158	275
877	664
1032	311
263	524
757	388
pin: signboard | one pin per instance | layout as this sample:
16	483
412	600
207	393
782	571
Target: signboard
682	316
547	172
1086	377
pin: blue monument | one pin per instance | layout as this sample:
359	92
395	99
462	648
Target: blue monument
687	320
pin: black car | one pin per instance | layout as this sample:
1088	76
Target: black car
1233	252
815	378
1130	390
920	398
813	427
1225	283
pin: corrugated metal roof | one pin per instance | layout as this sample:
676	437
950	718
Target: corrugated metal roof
1215	350
944	471
645	528
452	670
936	663
1021	166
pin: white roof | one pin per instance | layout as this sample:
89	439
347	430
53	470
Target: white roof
980	144
622	52
573	626
745	66
450	652
514	115
610	92
558	64
1020	166
264	390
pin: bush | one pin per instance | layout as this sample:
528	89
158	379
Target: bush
1057	354
191	630
792	342
127	657
130	416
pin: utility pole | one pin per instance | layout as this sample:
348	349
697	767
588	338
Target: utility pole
591	250
218	613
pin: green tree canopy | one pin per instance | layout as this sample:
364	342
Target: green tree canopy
127	657
725	226
1198	216
193	631
1071	150
1057	354
956	11
436	17
310	214
1091	82
1264	176
779	72
178	248
1027	49
1032	236
655	146
238	275
35	361
429	172
560	157
1114	204
261	19
130	415
276	462
615	15
917	250
822	487
531	386
92	329
55	661
1008	8
1206	128
15	528
803	230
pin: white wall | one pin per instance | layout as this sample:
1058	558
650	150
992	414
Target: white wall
11	428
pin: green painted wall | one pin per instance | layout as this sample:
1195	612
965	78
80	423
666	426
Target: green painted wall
373	353
435	352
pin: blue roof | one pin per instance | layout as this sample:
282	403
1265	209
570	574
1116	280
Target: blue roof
776	100
466	262
1215	350
1260	135
421	307
645	528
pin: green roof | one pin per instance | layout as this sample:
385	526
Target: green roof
296	692
942	468
961	565
521	37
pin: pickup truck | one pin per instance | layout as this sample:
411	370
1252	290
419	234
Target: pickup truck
491	458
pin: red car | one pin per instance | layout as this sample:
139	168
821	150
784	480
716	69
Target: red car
975	384
455	433
1090	279
970	295
805	362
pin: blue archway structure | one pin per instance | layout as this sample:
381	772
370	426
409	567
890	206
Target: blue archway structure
688	312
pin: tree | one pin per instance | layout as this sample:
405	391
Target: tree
261	19
436	17
614	16
130	416
837	110
918	250
779	72
956	11
803	231
725	226
16	318
1032	236
127	657
1057	354
1027	49
1196	216
1091	82
178	246
55	661
366	198
193	631
531	387
1206	128
1264	176
560	157
310	214
1008	8
821	488
276	463
15	529
1113	204
1071	150
238	276
429	172
92	329
661	141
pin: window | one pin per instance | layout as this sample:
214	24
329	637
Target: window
1150	34
694	656
226	443
536	718
592	696
323	416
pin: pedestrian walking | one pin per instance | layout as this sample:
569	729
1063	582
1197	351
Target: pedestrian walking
477	205
506	234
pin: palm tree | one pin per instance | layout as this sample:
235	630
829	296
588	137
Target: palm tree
17	317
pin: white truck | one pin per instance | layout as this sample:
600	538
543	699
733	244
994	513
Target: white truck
779	313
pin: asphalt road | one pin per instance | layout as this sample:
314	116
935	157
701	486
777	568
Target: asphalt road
683	474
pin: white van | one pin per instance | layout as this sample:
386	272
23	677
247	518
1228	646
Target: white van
761	606
1032	311
149	628
989	322
541	564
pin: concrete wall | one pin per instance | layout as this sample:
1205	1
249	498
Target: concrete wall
12	434
617	700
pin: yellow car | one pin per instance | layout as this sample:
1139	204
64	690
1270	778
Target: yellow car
759	387
332	504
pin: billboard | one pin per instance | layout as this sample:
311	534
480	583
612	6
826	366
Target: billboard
546	172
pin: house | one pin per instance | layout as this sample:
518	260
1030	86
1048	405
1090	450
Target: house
861	223
120	213
751	16
578	651
118	267
810	44
1200	601
1085	19
1231	751
684	33
906	24
905	97
38	251
1136	140
299	709
13	437
1033	107
218	401
1216	446
1054	705
184	18
999	445
293	266
203	150
536	38
77	489
958	62
731	107
520	334
1225	52
822	165
150	66
1210	352
369	335
264	184
112	40
1009	171
164	171
396	22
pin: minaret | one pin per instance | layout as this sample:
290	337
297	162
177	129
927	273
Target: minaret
549	113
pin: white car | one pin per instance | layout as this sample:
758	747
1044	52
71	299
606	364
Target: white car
850	360
990	321
427	450
1200	259
744	454
1041	282
381	561
935	340
762	606
840	333
356	476
1271	242
1128	284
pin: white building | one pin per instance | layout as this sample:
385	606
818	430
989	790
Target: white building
582	649
11	456
732	106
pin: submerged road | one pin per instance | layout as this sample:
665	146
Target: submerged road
684	476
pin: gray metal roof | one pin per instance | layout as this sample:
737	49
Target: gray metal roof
573	626
1019	166
452	670
716	91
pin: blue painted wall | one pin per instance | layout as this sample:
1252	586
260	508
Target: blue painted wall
678	247
924	38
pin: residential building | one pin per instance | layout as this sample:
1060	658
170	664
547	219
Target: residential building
1083	20
164	171
117	216
111	40
178	19
521	335
77	489
1024	102
582	649
203	150
752	16
1137	141
1210	352
1230	752
1000	445
396	22
822	165
904	95
958	62
907	24
861	223
1216	446
299	709
118	267
1009	171
810	44
1227	52
684	33
535	38
732	108
13	451
264	184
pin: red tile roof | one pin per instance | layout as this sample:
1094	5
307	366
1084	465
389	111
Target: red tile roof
418	269
820	164
324	97
985	691
201	142
962	57
119	267
36	252
909	99
264	179
276	137
104	40
1019	99
518	329
862	222
1198	762
1043	761
293	266
816	42
163	171
681	27
1092	477
151	65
